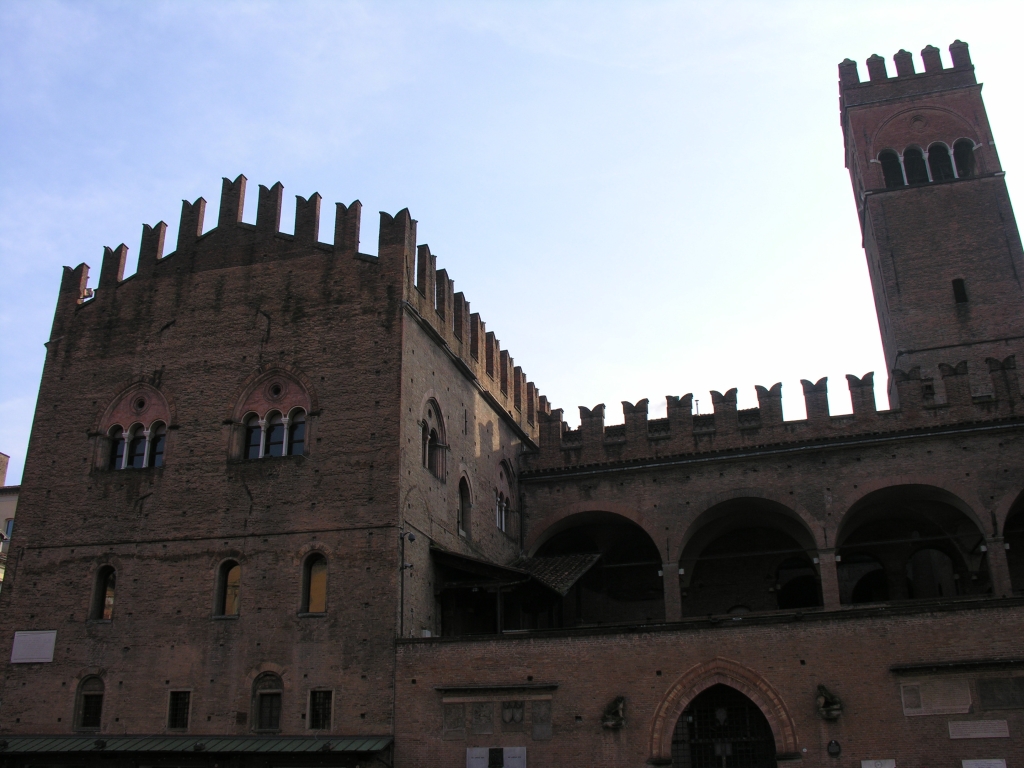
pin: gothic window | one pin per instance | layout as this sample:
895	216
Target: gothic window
504	516
433	437
157	441
963	155
274	445
103	595
940	163
177	710
89	707
465	505
915	166
266	694
229	582
136	458
297	433
892	171
314	584
320	710
959	291
253	438
117	446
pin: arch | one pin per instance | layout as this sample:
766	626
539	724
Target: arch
940	162
274	387
433	438
136	401
937	488
720	671
940	122
267	692
963	157
465	508
892	169
915	166
575	514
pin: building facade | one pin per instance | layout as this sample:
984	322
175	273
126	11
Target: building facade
287	503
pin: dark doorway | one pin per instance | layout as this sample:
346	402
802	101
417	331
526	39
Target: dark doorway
722	728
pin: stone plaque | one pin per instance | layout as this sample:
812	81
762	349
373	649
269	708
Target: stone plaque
978	729
33	647
454	721
477	757
540	719
513	715
483	718
515	757
496	757
936	697
877	764
996	763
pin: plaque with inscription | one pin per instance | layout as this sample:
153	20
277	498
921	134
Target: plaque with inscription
540	719
978	729
877	764
937	697
454	721
990	763
483	718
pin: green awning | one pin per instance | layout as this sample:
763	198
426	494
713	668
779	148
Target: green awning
218	744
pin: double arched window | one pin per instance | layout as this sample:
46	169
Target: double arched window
137	447
938	163
432	435
275	434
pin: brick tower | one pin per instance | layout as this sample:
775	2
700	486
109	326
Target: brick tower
942	244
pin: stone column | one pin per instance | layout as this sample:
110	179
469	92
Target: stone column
673	600
998	567
829	579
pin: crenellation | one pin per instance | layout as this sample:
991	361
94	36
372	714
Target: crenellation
816	399
232	200
769	403
268	210
960	54
724	406
490	347
1005	384
506	364
876	68
904	63
307	219
862	394
346	228
957	385
443	298
191	227
531	406
476	334
635	422
151	249
112	268
932	59
460	314
518	381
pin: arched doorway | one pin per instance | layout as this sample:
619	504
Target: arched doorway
722	728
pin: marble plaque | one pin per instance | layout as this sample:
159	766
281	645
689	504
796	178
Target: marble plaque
33	647
877	764
978	729
996	763
936	697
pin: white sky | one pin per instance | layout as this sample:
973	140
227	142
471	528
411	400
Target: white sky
641	199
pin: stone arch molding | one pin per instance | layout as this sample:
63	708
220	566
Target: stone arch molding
254	395
726	672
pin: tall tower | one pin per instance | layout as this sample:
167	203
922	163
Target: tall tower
942	245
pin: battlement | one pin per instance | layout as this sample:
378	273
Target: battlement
682	432
906	82
411	269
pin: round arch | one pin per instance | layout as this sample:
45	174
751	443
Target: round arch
720	671
1007	505
581	513
273	387
928	488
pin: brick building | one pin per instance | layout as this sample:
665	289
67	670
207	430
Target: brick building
286	503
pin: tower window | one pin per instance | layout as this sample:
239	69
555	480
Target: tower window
90	704
464	507
297	434
275	436
940	163
253	437
229	584
959	291
914	165
137	449
963	155
314	591
117	446
103	596
177	710
892	171
266	691
157	441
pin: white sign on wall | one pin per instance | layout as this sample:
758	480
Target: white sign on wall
488	757
33	647
997	763
877	764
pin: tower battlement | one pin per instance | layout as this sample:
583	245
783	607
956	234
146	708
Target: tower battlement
906	81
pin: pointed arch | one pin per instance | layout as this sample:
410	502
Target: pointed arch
720	671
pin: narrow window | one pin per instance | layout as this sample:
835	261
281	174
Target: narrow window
137	449
157	441
959	291
90	704
314	596
8	528
117	445
229	584
297	434
425	439
963	154
267	702
891	169
940	162
275	436
253	437
320	710
913	163
499	512
464	507
433	457
103	597
177	711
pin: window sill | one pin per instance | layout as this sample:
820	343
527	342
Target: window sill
225	617
307	615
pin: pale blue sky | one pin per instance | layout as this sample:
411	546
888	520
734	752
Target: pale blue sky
641	199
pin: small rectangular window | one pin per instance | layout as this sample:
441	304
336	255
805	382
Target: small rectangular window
92	710
269	716
320	710
177	713
959	291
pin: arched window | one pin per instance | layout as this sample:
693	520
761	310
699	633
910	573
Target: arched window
136	449
266	702
464	507
434	447
103	594
499	510
275	436
253	438
892	171
963	154
229	582
89	707
314	584
915	166
157	441
117	446
940	163
297	433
